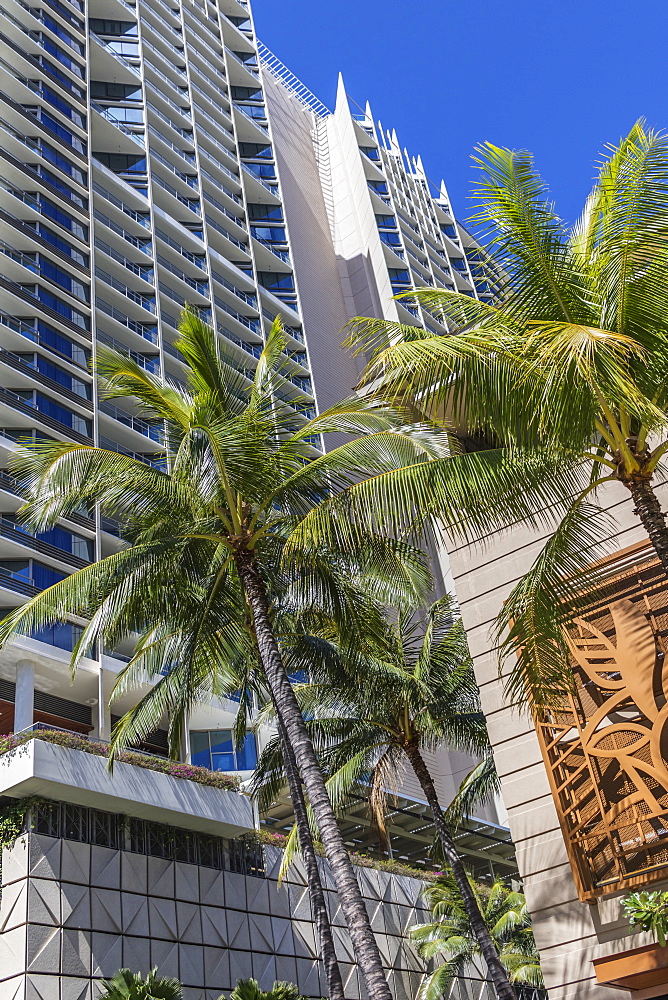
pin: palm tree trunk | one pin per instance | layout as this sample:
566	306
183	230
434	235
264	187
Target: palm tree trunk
502	986
363	941
648	509
316	891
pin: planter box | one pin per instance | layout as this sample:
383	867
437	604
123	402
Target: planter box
637	969
57	772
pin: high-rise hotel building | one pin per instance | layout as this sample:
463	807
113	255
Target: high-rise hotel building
155	154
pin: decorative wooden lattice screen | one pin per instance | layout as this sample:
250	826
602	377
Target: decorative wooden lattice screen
606	745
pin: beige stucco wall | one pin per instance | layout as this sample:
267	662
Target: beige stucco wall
569	933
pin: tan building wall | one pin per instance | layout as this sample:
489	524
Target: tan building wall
569	933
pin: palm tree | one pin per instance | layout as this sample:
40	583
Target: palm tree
562	376
450	937
127	985
249	989
242	494
418	692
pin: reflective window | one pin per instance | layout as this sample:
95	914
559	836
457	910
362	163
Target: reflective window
256	150
104	90
61	186
56	374
265	213
63	245
51	300
63	57
64	35
62	162
62	344
63	278
104	26
63	106
215	749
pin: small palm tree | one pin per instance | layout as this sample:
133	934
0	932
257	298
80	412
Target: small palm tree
450	937
560	384
127	985
419	692
241	496
248	989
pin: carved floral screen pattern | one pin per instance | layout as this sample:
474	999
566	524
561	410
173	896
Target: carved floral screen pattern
606	746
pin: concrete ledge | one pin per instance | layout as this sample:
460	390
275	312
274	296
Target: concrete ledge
57	772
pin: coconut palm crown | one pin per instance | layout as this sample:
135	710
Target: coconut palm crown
240	496
568	361
449	938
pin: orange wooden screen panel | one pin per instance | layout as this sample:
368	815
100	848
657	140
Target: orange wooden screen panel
606	745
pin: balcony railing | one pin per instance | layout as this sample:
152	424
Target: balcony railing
158	462
148	332
151	364
141	217
134	423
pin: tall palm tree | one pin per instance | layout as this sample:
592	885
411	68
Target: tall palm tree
449	936
242	493
562	375
419	692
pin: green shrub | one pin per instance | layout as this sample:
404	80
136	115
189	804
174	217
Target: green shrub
648	911
127	985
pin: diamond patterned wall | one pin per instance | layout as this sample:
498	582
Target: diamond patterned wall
71	913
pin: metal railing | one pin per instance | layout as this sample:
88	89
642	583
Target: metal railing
142	218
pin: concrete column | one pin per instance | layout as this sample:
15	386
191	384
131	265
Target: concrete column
185	743
24	698
105	682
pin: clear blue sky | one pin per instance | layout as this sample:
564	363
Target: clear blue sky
558	77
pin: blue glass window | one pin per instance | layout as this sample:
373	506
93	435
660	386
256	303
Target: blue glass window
55	50
371	152
392	239
276	280
62	162
61	186
449	230
63	218
62	245
49	407
63	133
247	94
256	149
64	35
269	234
63	635
31	571
263	170
124	48
66	13
43	576
265	213
63	106
379	186
56	374
215	749
68	541
399	275
62	344
63	278
65	81
73	315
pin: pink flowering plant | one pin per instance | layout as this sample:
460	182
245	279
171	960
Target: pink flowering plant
214	779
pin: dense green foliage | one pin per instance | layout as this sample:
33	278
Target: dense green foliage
648	911
127	985
558	388
449	938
